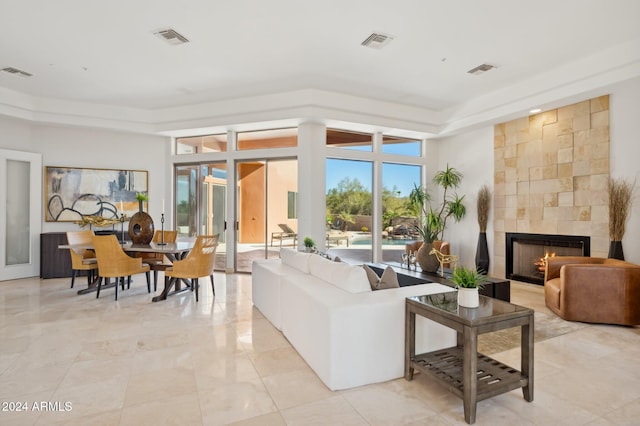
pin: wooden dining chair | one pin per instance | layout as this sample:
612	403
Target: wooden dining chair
199	263
82	259
113	262
156	260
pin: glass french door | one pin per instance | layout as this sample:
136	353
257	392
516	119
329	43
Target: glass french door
201	203
20	210
266	206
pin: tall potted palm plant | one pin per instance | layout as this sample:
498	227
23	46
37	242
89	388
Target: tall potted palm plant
434	220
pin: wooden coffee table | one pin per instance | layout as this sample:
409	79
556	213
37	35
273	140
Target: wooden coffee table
468	374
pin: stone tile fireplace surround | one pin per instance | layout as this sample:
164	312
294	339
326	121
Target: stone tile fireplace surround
550	177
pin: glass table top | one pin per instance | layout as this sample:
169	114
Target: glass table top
488	308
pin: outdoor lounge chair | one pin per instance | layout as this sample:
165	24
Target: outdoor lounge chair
336	237
286	233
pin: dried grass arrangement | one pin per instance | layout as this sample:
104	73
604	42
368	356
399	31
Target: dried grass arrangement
620	194
484	204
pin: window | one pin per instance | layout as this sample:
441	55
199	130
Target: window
186	201
349	206
399	219
349	140
401	146
292	205
275	138
201	144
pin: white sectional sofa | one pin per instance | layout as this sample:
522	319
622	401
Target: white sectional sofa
349	335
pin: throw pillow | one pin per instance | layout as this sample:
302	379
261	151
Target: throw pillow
389	278
373	278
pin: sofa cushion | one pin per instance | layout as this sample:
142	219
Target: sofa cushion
350	278
295	259
389	278
320	267
346	277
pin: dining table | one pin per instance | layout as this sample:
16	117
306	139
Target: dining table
173	251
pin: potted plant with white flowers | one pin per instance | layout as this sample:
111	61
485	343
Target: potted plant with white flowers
469	281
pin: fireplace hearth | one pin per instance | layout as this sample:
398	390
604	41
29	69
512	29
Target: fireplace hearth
526	253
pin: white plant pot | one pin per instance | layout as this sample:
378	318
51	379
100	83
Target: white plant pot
468	297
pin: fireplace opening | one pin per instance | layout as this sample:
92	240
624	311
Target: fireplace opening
527	253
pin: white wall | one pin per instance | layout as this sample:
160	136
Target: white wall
94	148
472	153
15	134
624	119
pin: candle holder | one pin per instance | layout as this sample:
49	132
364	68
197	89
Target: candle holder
162	243
122	227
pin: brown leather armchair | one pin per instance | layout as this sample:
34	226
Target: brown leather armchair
593	289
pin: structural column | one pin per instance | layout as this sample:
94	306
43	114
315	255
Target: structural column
312	139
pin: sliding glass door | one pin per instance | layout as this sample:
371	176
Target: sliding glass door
266	209
201	203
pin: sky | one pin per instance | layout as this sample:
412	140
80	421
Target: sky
401	176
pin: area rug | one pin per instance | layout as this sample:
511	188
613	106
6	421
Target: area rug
546	327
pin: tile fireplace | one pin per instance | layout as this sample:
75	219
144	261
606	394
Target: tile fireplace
526	253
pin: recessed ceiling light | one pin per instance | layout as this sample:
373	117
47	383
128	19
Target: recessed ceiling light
535	111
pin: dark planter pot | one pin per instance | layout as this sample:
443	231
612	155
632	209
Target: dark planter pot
141	227
482	254
428	262
615	250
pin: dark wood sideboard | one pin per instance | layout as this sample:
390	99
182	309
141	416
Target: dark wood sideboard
55	262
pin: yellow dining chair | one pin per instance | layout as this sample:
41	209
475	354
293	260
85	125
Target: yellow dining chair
113	262
82	259
198	263
156	260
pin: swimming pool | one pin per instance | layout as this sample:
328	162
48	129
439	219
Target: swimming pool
385	242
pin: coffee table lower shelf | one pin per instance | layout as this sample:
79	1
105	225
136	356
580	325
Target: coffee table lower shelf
446	365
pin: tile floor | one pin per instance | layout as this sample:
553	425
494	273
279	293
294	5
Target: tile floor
134	362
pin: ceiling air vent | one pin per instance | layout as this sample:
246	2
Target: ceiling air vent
172	36
377	40
16	71
481	69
